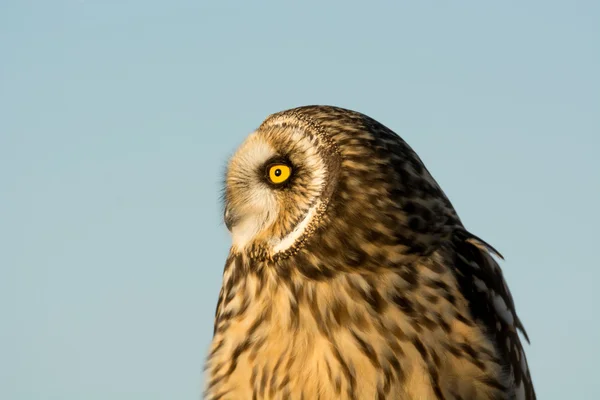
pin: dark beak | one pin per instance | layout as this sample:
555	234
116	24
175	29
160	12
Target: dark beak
230	218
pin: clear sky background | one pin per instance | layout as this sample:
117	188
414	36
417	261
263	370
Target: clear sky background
117	119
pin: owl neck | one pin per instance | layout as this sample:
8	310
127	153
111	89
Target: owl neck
286	299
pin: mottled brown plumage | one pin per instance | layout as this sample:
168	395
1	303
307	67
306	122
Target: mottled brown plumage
354	278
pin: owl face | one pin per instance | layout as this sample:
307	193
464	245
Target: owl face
276	187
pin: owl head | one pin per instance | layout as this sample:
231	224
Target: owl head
333	181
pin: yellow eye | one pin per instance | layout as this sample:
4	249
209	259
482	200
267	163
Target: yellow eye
279	173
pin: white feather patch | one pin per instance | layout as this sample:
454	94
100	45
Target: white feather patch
245	231
503	310
480	285
288	241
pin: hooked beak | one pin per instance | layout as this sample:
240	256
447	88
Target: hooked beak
230	218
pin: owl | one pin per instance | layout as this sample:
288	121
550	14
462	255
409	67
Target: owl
350	275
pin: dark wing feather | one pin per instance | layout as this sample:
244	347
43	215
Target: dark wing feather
483	285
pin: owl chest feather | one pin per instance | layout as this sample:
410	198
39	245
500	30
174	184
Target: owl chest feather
354	336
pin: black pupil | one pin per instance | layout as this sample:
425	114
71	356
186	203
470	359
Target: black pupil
277	172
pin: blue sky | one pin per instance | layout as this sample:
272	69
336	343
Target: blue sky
117	118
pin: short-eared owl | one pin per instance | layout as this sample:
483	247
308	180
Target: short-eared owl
350	275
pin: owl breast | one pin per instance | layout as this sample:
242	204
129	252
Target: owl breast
355	336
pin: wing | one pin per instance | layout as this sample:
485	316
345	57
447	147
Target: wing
482	283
